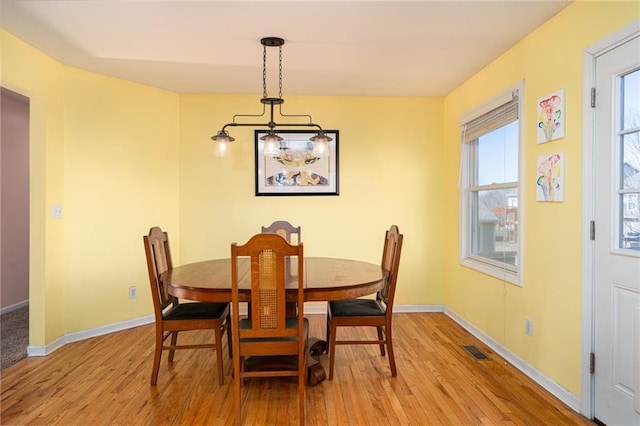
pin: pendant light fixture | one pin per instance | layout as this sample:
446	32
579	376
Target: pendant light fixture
272	141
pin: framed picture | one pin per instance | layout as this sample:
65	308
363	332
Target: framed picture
550	177
551	115
295	168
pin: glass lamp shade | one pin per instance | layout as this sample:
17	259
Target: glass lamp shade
220	148
271	147
320	147
221	143
271	143
320	144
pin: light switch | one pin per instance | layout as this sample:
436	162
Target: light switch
56	211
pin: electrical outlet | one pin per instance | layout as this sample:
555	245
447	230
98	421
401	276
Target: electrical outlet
133	292
528	326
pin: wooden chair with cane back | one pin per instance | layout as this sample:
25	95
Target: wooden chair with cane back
293	234
267	331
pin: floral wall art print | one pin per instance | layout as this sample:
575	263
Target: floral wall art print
550	178
551	117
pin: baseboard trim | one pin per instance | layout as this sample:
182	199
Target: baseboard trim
417	308
547	383
550	385
87	334
314	308
14	307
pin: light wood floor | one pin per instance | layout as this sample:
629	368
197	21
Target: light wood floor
105	380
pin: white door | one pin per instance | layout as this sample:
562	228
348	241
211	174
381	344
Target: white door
617	236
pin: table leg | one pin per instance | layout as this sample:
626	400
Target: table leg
315	372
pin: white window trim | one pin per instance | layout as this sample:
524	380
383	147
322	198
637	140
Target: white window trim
467	259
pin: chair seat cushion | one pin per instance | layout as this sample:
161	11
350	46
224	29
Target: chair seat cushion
199	310
356	307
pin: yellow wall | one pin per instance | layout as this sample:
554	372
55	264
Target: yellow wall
106	150
121	177
389	152
127	157
28	72
548	59
121	157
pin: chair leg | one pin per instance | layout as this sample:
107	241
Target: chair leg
392	360
218	335
328	327
156	358
242	367
301	393
174	341
381	334
332	349
237	393
229	338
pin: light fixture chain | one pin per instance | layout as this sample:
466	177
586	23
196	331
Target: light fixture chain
280	71
264	71
223	137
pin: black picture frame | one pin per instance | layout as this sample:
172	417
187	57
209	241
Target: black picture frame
296	170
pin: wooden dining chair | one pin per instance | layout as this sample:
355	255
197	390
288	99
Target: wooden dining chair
171	316
293	234
369	312
267	332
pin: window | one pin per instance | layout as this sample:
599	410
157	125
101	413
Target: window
490	203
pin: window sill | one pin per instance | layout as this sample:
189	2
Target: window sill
496	272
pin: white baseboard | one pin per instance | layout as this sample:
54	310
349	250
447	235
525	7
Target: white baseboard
87	334
558	391
417	308
312	308
13	307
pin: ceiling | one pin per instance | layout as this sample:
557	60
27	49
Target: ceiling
347	48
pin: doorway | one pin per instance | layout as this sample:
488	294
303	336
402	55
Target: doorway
612	255
14	225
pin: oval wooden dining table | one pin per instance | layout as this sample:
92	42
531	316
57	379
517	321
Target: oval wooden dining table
325	279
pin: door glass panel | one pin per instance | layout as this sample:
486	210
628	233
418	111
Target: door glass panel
630	217
629	198
631	161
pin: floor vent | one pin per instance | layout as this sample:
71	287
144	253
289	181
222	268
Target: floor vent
476	353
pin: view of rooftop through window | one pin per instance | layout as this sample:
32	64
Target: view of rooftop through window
496	219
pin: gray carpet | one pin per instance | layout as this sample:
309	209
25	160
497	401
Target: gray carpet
14	336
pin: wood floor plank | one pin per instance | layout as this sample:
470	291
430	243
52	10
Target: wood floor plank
105	381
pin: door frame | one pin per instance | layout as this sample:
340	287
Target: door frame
588	206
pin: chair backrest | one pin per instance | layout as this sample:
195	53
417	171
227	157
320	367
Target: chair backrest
390	262
267	253
156	246
292	234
